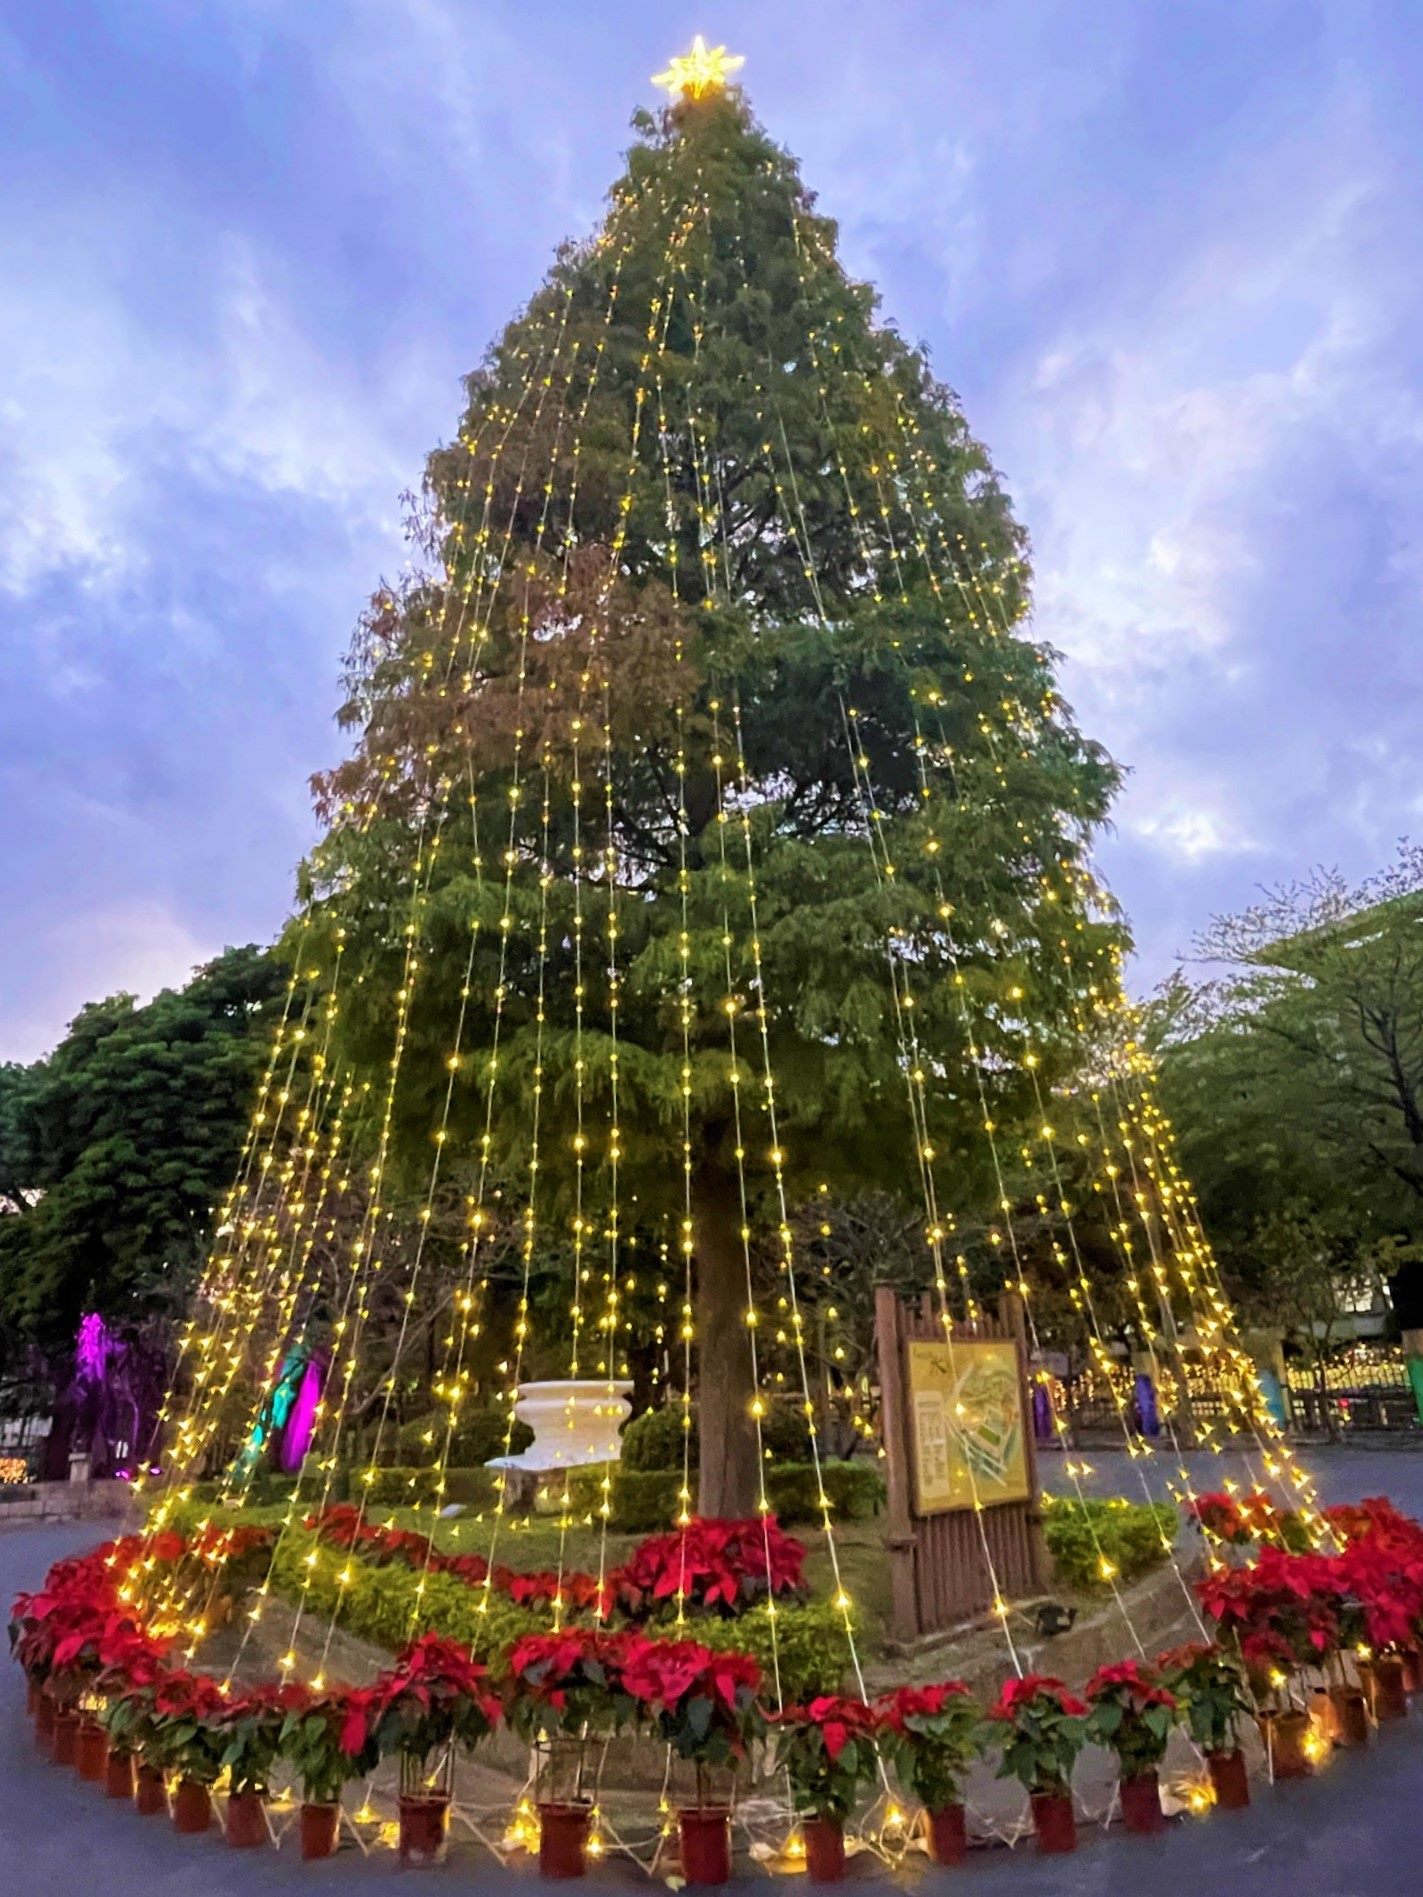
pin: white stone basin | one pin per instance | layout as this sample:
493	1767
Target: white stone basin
574	1421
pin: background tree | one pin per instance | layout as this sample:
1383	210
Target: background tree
1294	1077
116	1148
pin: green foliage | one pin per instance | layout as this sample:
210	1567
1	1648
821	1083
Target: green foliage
1080	1534
1133	1718
119	1143
785	1433
264	1488
642	1500
251	1740
932	1747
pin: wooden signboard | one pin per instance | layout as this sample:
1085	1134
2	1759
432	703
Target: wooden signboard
962	1520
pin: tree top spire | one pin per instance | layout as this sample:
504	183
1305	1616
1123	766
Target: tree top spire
700	72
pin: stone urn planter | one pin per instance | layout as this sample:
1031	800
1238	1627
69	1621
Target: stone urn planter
575	1421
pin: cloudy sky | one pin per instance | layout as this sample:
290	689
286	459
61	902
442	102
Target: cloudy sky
1167	251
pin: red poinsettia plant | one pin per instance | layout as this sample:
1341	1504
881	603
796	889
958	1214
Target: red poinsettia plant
1040	1728
724	1565
1132	1715
342	1525
703	1704
1383	1574
435	1696
1237	1521
329	1739
827	1749
932	1734
249	1729
570	1683
184	1733
1210	1686
127	1714
71	1633
1281	1608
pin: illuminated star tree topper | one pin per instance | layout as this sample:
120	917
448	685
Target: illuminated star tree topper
702	71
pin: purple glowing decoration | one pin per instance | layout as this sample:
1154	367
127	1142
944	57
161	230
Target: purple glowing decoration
93	1347
296	1437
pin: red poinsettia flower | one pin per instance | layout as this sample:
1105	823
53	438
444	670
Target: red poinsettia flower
1017	1694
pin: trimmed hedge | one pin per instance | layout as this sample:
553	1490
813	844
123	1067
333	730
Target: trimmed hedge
654	1440
481	1435
856	1491
645	1500
1080	1534
378	1602
476	1488
263	1489
811	1651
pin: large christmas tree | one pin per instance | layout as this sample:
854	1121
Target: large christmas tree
713	847
710	828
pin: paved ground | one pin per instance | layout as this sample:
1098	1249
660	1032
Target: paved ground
1394	1468
1353	1832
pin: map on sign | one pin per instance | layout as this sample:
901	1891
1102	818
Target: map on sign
966	1419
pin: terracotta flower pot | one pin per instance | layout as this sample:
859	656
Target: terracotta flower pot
1054	1822
320	1828
118	1774
947	1834
704	1832
91	1751
563	1834
244	1824
66	1737
1230	1779
1390	1694
824	1849
150	1794
423	1822
32	1696
45	1715
1351	1716
1284	1735
192	1808
1412	1670
1141	1803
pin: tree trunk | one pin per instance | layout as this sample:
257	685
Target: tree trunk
729	1481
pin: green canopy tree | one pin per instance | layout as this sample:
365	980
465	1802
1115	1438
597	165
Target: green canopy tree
1294	1077
716	565
117	1146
